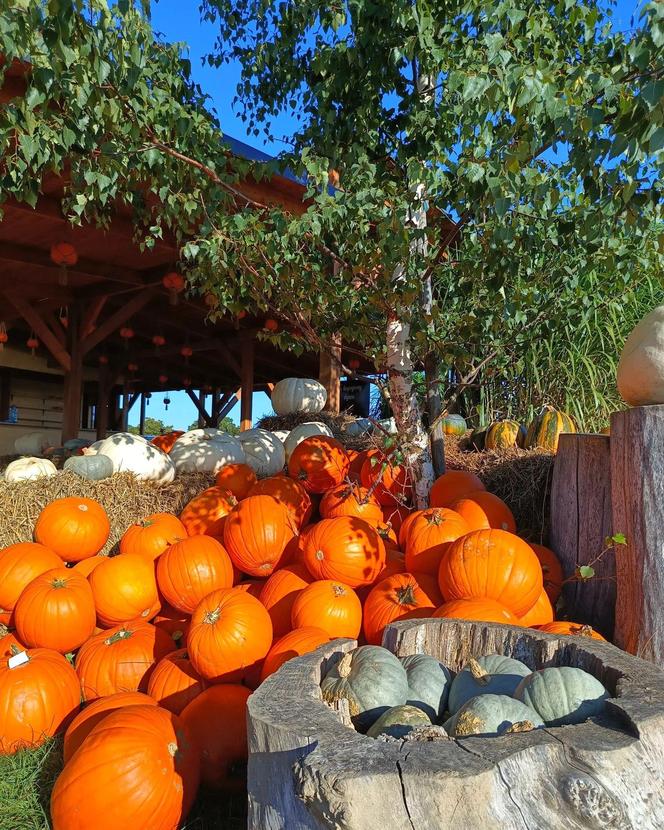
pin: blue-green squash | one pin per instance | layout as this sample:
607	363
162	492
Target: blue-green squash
454	425
494	674
492	715
428	684
398	721
92	467
563	695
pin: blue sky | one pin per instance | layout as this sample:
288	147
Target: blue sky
178	20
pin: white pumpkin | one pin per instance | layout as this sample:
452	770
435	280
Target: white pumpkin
360	426
298	395
34	443
302	431
281	434
641	365
133	454
264	452
24	469
206	451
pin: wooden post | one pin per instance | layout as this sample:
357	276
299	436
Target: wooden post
73	385
141	420
103	393
201	420
580	522
637	468
330	375
247	384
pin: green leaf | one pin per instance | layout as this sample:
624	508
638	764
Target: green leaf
585	572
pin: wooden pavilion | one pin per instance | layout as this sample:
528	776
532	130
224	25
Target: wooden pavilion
85	344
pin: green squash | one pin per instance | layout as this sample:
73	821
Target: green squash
371	679
504	434
398	722
492	715
563	695
494	674
428	684
454	425
547	428
92	467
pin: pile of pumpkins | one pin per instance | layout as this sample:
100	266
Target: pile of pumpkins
544	431
163	642
491	695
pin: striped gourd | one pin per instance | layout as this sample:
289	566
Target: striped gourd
547	428
503	434
454	425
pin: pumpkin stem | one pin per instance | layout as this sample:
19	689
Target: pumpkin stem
406	595
83	507
173	749
478	673
320	555
434	517
14	649
59	583
339	590
584	631
520	726
344	665
3	630
122	634
211	617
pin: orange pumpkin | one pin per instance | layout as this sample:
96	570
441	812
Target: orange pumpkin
394	485
230	633
348	500
252	586
124	588
86	720
191	569
38	698
552	570
387	534
318	463
429	584
452	486
152	536
395	515
482	609
217	721
19	565
138	767
329	605
9	643
206	513
166	441
175	682
404	530
429	535
256	533
86	566
355	468
237	479
279	593
293	644
121	659
492	564
571	629
288	492
482	510
398	597
346	549
540	614
56	610
173	621
74	528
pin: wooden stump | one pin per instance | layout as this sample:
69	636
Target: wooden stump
637	470
308	770
580	522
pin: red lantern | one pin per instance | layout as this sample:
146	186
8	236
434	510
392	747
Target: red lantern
186	352
132	367
103	359
186	381
271	325
353	363
163	379
174	284
63	254
4	337
126	334
158	341
241	315
32	343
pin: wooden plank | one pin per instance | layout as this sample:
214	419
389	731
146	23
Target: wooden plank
5	393
103	393
226	408
40	328
637	473
247	381
141	422
73	381
330	375
92	313
200	408
581	520
55	326
122	315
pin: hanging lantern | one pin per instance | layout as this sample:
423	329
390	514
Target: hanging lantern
64	255
186	352
147	397
32	343
353	363
174	284
167	400
158	341
241	314
132	367
126	334
186	381
103	359
271	325
211	300
207	388
163	379
63	316
4	337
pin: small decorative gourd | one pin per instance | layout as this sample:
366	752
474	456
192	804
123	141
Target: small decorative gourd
371	679
494	674
92	467
492	715
503	434
454	425
563	695
398	721
428	684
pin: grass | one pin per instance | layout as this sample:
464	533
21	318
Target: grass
26	780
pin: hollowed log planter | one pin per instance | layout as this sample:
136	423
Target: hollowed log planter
309	770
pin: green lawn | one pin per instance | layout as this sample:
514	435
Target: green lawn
27	777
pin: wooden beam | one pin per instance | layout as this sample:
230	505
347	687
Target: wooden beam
73	382
91	315
199	407
330	375
247	381
55	326
103	394
226	408
122	315
229	357
141	421
42	331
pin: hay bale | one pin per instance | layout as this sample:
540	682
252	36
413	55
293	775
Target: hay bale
335	423
124	497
